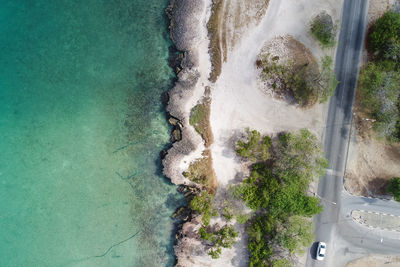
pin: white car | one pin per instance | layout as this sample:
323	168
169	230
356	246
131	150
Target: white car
321	249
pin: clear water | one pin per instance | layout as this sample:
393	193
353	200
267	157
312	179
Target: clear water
81	128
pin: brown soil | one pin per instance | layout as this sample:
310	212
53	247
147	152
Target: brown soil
376	261
372	162
376	9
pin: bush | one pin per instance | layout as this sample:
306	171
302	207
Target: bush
223	238
385	34
203	204
242	218
323	29
254	148
394	187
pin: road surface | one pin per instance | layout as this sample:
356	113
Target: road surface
346	239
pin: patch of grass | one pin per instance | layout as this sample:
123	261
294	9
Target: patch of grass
200	120
214	30
201	172
323	29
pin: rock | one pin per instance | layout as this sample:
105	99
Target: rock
163	153
165	98
176	135
173	121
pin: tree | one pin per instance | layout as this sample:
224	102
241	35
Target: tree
326	81
295	233
203	204
379	86
394	187
323	29
385	32
299	157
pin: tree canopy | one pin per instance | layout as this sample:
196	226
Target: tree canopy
379	86
385	35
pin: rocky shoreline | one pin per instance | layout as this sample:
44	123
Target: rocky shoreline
185	17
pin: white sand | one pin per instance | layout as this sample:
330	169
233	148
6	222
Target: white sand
237	101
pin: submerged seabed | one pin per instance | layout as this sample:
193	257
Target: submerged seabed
81	128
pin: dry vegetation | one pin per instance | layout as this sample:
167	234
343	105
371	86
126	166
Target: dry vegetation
214	30
201	172
227	23
200	118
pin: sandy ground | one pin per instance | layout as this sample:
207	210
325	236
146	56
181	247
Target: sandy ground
238	101
371	162
376	261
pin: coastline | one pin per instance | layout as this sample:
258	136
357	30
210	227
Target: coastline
238	98
188	32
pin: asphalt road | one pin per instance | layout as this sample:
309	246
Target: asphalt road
336	135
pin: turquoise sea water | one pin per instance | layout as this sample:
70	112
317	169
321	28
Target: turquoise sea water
81	128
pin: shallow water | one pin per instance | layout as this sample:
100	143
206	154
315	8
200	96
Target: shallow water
81	128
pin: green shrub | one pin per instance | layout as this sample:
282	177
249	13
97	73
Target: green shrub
227	213
242	218
223	238
394	187
385	34
254	147
203	204
215	252
323	29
